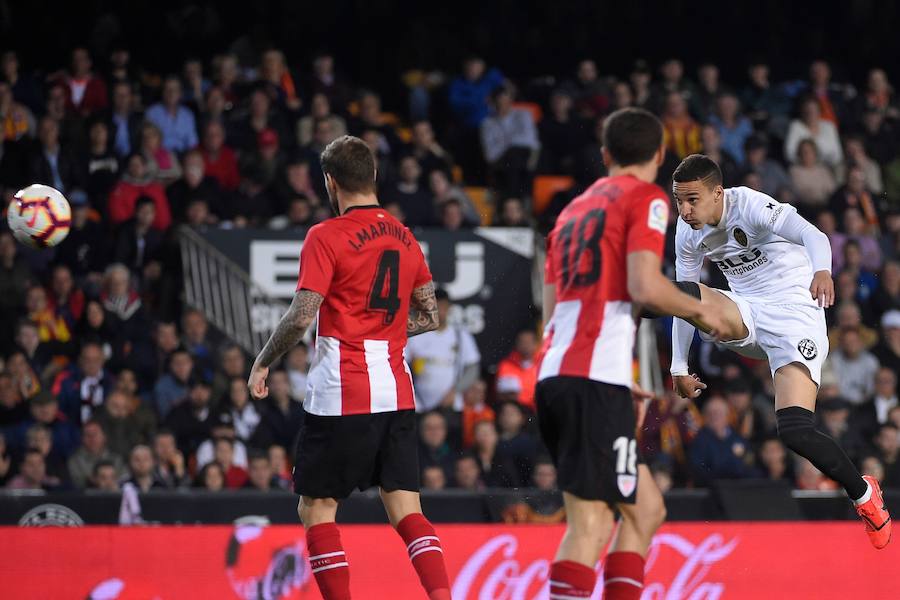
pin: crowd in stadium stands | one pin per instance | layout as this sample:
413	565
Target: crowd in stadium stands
106	379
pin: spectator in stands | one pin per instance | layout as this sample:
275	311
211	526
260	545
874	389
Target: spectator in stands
854	194
124	120
733	127
879	95
812	125
467	474
120	298
444	362
137	243
468	94
772	460
712	147
37	354
853	366
261	116
887	296
849	315
622	96
834	415
682	133
434	447
879	136
15	277
194	184
590	93
86	92
510	144
281	467
13	408
51	326
235	476
220	161
428	152
497	468
830	96
93	449
855	153
84	249
874	412
433	478
275	73
324	79
222	427
888	351
562	134
808	477
544	478
172	388
718	452
39	437
24	87
162	164
51	163
82	389
190	421
136	182
104	477
100	164
642	93
33	474
259	473
176	122
211	478
709	88
296	183
319	108
372	118
670	424
142	470
452	217
231	364
195	84
25	379
858	232
297	367
887	444
511	213
671	80
517	372
443	191
16	119
772	175
811	180
866	280
122	427
516	443
170	463
282	416
745	418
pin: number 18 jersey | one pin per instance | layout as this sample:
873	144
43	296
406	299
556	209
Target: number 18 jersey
591	332
365	264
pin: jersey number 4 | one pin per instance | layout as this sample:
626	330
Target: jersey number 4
587	233
385	296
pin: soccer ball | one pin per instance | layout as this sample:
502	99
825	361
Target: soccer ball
39	216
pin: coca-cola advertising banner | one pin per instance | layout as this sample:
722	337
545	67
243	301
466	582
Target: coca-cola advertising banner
820	560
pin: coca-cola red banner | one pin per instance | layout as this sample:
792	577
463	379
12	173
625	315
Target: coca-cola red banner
486	562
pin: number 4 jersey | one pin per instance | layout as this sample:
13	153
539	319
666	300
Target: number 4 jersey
591	332
365	264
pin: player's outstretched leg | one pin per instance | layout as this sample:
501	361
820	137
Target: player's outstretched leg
795	398
588	525
422	543
326	554
623	569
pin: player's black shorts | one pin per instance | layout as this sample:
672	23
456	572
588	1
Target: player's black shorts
589	428
336	455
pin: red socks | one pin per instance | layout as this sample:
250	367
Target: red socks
623	576
328	561
570	580
425	552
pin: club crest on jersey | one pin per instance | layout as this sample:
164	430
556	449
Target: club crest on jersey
627	484
740	237
658	215
807	348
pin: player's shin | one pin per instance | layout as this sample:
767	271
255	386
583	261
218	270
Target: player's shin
426	555
328	561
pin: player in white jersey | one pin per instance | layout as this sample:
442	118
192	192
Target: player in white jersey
778	266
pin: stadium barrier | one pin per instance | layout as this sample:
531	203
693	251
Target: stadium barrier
452	506
687	561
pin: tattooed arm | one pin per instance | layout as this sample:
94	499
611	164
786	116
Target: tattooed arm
289	332
423	315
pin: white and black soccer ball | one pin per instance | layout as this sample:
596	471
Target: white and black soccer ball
39	216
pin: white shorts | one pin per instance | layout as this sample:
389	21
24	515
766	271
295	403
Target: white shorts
783	333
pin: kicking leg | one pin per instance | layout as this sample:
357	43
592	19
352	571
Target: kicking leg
326	554
795	402
623	571
404	510
588	526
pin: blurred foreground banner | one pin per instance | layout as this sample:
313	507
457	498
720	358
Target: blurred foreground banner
687	562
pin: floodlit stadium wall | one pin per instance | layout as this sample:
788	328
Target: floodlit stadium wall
694	561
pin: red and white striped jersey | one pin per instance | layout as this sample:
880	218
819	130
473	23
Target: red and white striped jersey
591	333
366	264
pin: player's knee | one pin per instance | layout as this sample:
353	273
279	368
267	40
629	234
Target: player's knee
796	426
316	510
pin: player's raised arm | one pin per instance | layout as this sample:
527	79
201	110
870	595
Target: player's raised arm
687	268
287	334
423	313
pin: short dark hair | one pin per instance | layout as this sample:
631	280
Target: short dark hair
257	454
350	163
632	136
144	200
698	167
101	464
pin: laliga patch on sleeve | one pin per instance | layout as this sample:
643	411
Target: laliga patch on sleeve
658	215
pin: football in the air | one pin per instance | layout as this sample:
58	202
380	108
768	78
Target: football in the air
39	216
